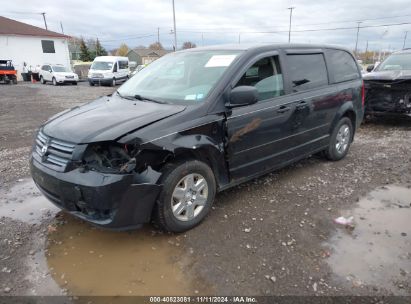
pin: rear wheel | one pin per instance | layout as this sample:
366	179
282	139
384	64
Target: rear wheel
187	196
341	139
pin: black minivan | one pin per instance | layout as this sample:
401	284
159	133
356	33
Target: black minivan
193	123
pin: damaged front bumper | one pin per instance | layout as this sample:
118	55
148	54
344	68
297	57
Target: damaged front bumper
117	201
388	97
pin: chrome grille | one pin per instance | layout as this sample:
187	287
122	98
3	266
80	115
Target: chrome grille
54	151
97	75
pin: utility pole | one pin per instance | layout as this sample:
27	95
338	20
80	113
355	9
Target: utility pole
44	18
202	39
175	31
405	39
356	41
158	35
366	52
289	29
239	37
61	25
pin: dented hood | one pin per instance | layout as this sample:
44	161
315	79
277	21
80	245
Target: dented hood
106	118
388	75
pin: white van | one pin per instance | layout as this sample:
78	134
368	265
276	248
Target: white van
109	70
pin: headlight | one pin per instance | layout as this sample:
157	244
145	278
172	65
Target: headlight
109	157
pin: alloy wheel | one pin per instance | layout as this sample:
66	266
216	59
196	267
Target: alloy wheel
189	197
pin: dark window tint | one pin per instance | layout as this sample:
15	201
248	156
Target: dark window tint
123	64
48	46
342	66
307	71
265	75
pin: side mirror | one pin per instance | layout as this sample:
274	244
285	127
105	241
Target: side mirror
242	96
370	68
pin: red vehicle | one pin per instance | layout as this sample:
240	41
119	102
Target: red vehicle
7	72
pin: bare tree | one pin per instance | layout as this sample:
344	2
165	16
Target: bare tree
188	45
156	46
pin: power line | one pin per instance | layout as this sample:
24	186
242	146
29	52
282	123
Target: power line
300	31
130	38
236	30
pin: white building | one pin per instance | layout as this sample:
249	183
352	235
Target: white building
24	43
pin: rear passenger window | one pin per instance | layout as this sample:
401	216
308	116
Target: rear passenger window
265	75
123	64
307	71
342	66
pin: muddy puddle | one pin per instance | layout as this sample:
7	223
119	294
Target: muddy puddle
86	260
378	251
24	202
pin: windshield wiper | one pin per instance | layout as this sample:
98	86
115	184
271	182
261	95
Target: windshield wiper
125	97
142	98
139	97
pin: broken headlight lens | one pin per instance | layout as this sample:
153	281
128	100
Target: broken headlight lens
109	157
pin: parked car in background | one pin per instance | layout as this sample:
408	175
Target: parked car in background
138	69
57	74
8	73
388	86
193	123
108	70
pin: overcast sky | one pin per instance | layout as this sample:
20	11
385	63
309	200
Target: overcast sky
135	22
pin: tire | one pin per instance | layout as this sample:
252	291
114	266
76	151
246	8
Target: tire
74	83
54	81
42	80
91	84
14	81
113	82
340	141
190	208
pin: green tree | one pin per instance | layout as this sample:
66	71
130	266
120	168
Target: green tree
100	50
122	50
84	52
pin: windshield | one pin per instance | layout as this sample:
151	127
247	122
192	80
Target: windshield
185	77
101	65
396	62
57	68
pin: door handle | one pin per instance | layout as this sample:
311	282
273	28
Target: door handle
301	105
283	109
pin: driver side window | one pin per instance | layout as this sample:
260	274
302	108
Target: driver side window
265	75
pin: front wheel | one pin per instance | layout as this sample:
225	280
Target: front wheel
54	81
187	196
341	139
42	80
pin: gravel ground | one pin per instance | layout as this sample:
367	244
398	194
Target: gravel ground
271	236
